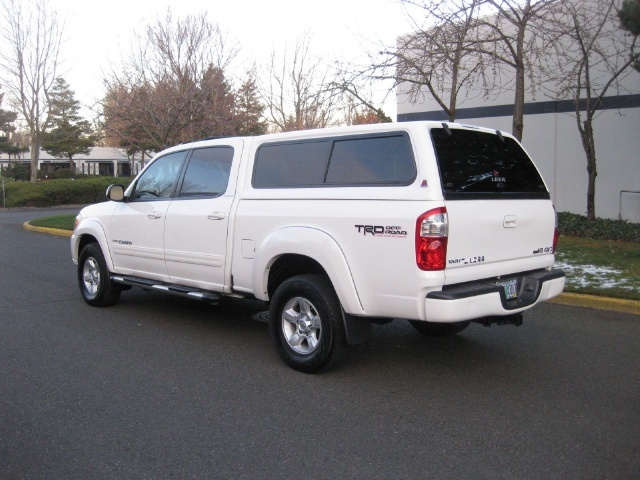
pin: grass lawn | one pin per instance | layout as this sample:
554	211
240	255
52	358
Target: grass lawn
595	267
62	222
600	267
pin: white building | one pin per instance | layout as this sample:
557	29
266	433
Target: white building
552	139
112	162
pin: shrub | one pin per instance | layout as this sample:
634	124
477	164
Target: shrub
59	192
17	171
574	225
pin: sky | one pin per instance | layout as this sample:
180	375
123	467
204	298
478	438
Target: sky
97	32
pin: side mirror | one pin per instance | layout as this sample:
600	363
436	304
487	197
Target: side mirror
115	193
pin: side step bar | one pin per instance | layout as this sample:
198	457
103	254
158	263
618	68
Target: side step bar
179	290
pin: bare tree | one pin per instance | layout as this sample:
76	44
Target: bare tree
442	54
441	58
354	87
29	62
297	91
172	86
469	47
511	33
593	57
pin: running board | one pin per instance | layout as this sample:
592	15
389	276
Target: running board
179	290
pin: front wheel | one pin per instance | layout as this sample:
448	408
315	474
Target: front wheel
305	320
93	278
433	329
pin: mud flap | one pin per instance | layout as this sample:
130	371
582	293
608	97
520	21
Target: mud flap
357	330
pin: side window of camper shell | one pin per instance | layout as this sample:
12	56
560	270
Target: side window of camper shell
364	160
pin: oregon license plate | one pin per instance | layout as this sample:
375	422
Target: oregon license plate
510	288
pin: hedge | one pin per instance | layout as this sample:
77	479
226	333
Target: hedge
573	225
51	193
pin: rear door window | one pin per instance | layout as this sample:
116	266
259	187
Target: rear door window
207	172
481	165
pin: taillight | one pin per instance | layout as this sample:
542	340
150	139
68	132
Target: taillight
432	231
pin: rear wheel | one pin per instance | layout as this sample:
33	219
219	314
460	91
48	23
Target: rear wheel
305	320
439	329
93	278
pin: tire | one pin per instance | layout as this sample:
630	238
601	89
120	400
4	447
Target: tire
305	320
439	329
93	278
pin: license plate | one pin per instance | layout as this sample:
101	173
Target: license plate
510	288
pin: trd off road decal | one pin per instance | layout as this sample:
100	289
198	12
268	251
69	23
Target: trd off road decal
381	231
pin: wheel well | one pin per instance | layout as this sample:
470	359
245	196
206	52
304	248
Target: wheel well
288	266
84	241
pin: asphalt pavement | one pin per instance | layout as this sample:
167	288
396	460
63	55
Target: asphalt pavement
158	387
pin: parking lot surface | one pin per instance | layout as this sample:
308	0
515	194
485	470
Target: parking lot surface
158	387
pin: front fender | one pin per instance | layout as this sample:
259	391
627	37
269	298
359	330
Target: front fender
96	230
315	244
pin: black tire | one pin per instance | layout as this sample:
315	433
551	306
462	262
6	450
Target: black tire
93	278
439	329
305	320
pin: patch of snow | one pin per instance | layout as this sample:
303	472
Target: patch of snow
586	275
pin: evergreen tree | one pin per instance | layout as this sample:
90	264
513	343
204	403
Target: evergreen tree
249	111
629	16
7	127
70	134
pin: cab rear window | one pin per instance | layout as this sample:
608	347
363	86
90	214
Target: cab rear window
480	165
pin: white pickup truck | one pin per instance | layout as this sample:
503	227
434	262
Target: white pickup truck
437	223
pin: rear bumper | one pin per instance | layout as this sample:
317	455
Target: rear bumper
486	298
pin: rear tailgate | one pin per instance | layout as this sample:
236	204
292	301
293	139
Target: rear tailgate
491	238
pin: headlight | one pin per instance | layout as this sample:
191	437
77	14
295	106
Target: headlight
77	222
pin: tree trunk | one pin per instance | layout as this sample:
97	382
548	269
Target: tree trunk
517	126
589	148
35	156
455	70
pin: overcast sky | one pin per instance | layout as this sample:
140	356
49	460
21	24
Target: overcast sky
97	31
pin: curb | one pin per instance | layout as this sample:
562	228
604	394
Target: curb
598	303
50	231
571	299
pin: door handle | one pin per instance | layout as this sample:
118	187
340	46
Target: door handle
216	216
510	221
154	215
